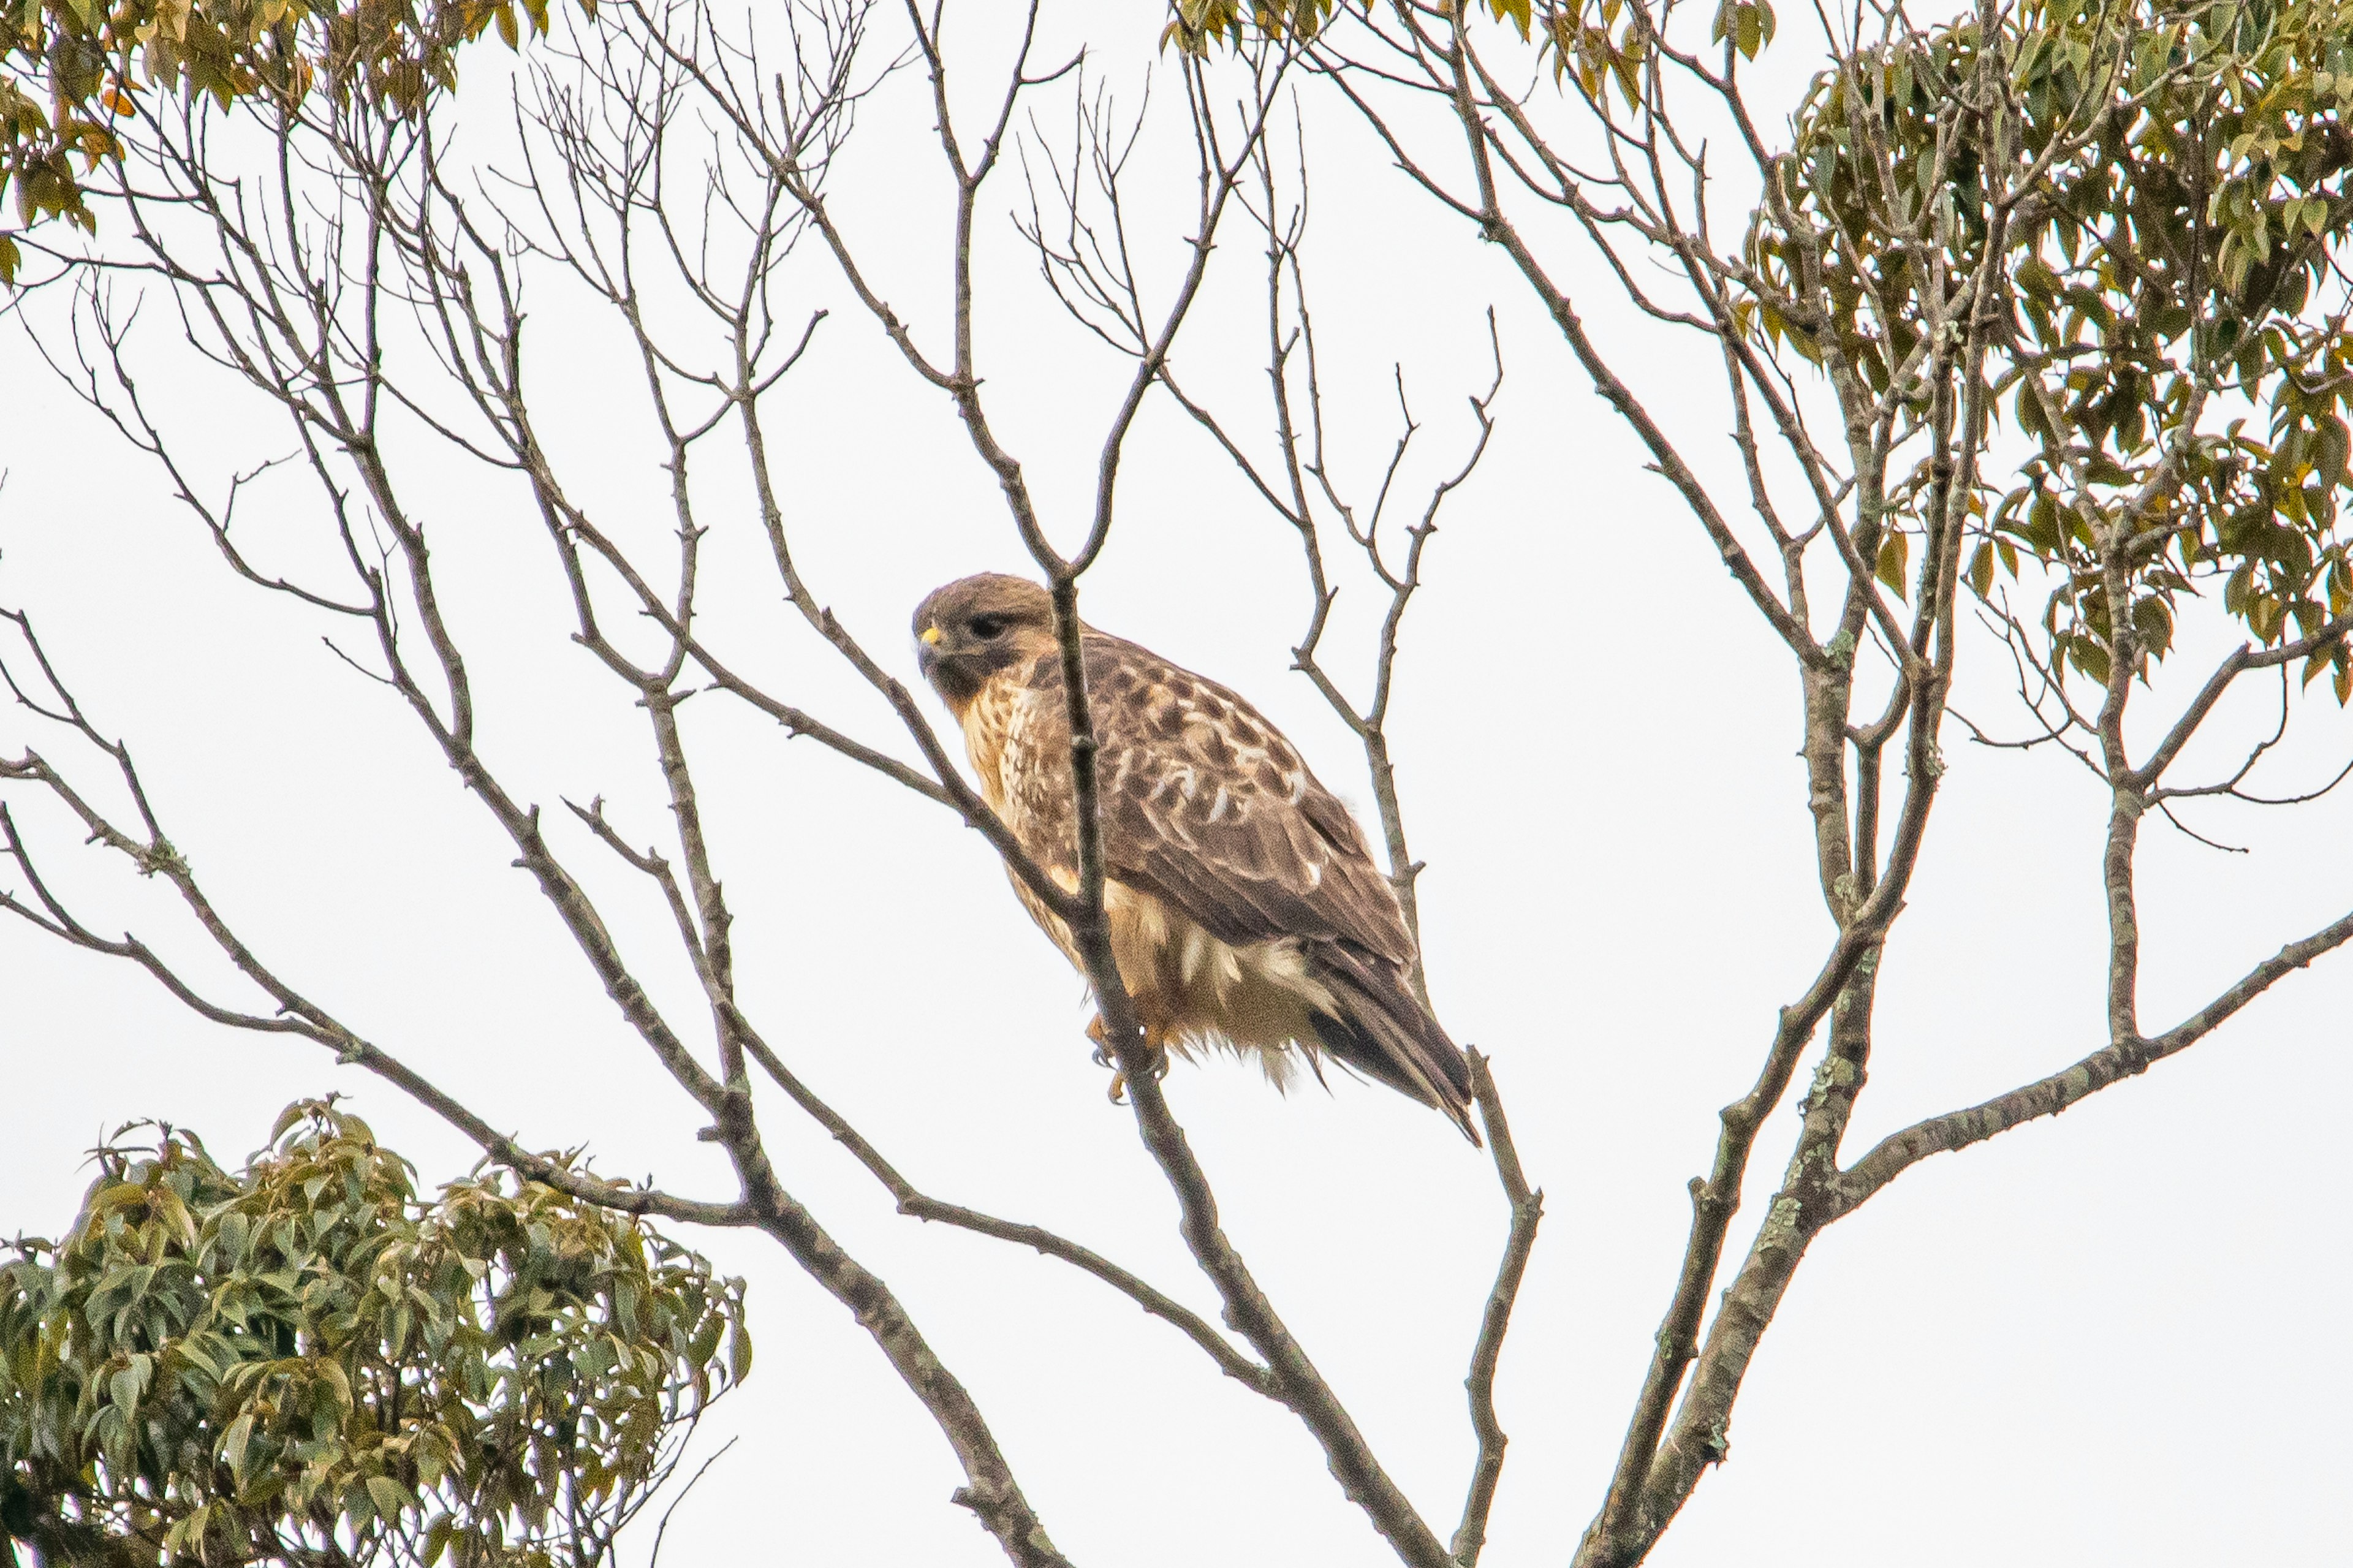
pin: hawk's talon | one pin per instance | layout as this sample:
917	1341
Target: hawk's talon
1105	1058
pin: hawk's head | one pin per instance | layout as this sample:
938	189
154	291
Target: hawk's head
977	626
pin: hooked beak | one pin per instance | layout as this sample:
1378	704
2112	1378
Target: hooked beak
927	650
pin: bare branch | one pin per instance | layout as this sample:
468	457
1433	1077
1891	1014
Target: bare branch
2103	1068
911	1200
1527	1210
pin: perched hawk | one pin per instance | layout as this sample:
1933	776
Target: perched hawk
1245	909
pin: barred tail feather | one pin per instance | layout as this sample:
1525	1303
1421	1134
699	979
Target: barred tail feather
1383	1032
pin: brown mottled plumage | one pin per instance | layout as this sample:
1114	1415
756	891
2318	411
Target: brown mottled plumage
1245	908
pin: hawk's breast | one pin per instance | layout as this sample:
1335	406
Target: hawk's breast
1190	987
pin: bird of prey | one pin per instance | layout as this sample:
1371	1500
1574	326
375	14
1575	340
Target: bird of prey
1244	909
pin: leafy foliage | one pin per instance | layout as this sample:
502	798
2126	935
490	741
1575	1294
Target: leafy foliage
1195	25
2174	341
305	1363
72	72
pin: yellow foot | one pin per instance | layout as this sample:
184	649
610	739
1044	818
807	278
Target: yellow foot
1155	1041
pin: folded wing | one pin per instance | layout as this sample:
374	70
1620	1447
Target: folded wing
1205	805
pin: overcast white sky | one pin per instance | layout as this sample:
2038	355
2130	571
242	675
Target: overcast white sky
2116	1337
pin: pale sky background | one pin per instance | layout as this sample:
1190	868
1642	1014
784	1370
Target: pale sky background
2116	1337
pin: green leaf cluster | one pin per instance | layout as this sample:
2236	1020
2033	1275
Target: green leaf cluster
1610	41
307	1362
75	73
1195	25
2171	330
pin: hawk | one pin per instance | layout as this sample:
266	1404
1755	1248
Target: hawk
1245	911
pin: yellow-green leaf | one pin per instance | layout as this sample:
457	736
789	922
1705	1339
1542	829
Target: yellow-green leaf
1894	552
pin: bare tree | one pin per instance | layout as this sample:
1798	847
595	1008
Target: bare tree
348	261
2063	222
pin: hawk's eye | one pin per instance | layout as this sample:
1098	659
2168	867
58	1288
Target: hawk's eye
986	626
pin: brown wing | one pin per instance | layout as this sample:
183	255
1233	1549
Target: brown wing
1204	803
